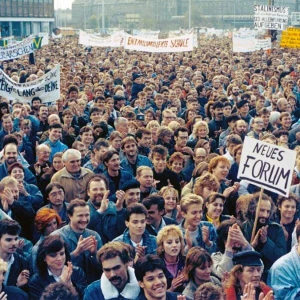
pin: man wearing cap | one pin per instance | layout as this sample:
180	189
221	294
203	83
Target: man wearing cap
247	270
137	85
243	110
284	276
132	159
132	192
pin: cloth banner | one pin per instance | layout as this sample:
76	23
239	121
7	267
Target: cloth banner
22	48
46	87
146	33
248	43
115	40
268	166
177	44
271	17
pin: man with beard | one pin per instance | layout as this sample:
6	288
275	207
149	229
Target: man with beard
10	155
132	159
17	273
257	128
107	218
234	97
7	128
43	118
269	238
218	123
83	243
240	128
118	280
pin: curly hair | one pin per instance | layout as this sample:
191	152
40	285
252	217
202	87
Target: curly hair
215	161
164	234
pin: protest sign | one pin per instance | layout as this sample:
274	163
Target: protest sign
271	17
295	18
243	43
46	87
178	44
290	38
114	40
267	166
264	44
24	47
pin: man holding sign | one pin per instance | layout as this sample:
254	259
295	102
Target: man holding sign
271	167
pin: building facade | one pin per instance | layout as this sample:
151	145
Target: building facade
24	17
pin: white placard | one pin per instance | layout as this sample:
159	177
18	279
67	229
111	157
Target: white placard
178	44
114	40
271	17
267	166
46	87
295	18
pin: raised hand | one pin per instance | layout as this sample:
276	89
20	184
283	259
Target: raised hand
104	202
67	273
120	199
188	238
23	278
205	234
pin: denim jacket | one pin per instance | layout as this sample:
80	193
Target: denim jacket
148	240
141	160
212	236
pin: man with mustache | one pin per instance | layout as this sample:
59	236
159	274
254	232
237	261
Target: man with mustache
107	218
269	238
17	273
83	243
10	156
118	280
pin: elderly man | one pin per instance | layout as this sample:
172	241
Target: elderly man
121	125
118	280
73	177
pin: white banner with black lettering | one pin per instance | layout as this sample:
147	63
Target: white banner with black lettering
267	166
271	17
17	50
46	87
177	44
114	40
248	43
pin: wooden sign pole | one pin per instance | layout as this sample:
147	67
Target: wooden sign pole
256	214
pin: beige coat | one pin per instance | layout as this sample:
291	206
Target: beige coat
74	188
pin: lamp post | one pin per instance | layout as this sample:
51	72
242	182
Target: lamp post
103	20
190	12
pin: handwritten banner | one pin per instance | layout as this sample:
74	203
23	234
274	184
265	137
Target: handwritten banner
46	87
22	48
178	44
248	43
267	166
290	38
271	17
115	40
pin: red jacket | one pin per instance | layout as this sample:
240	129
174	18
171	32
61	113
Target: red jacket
231	293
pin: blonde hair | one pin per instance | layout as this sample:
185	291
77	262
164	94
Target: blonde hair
167	231
190	199
3	265
166	189
139	170
199	124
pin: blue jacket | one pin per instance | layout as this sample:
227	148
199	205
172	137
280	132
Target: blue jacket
55	147
284	276
140	161
86	260
109	224
98	170
28	176
125	176
148	240
212	236
35	197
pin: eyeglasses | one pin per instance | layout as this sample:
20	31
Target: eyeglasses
45	152
59	193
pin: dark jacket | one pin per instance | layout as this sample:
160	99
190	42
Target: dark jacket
35	197
167	220
163	179
38	283
14	293
23	213
20	263
125	176
110	224
274	248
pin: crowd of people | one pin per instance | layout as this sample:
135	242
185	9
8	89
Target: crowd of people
127	186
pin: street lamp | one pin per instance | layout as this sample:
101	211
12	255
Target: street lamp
190	12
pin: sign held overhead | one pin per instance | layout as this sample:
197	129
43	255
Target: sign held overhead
267	166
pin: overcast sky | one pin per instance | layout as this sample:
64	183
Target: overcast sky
63	4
